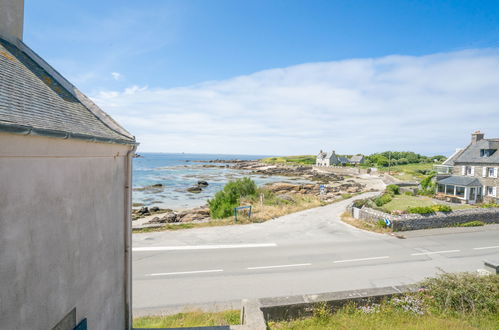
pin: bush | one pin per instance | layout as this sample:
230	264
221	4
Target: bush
409	193
360	203
489	205
393	189
441	208
464	293
420	210
224	202
381	223
383	199
429	209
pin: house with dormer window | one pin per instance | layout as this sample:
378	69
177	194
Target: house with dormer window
472	173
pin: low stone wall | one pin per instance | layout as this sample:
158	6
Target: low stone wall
419	221
340	170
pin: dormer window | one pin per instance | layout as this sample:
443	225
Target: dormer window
487	152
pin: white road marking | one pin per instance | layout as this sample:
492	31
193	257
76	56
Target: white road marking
434	252
361	259
278	266
201	247
191	272
486	247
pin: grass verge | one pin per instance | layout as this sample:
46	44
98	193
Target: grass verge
188	319
408	172
364	225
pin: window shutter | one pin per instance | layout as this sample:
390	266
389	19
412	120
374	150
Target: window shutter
472	170
463	170
484	171
495	172
494	191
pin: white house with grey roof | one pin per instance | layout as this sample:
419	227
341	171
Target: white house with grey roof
471	174
65	177
327	159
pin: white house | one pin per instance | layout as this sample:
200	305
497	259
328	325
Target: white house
326	159
65	177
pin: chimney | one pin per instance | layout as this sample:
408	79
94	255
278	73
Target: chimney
11	20
477	136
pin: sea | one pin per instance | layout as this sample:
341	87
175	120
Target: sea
179	171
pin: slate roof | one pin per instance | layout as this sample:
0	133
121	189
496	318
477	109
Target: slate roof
461	181
450	161
356	158
33	101
471	154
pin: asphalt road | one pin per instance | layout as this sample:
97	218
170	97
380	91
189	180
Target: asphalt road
303	253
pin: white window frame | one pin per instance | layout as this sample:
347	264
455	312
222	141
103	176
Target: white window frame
495	172
484	171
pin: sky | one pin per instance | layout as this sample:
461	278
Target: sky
272	77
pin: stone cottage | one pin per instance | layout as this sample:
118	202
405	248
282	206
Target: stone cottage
327	159
473	172
357	159
65	177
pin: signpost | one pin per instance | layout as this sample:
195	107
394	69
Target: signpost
241	208
322	189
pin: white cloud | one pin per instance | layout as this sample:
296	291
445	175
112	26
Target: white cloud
428	104
117	75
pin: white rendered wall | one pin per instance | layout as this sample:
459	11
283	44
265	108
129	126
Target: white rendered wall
62	232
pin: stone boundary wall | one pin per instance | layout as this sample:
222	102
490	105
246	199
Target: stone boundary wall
420	221
341	170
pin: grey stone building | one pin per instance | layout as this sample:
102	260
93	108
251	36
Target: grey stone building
471	174
357	159
326	159
65	197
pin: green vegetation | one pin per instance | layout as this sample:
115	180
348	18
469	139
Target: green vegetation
429	209
291	160
391	158
383	199
451	301
405	202
188	319
393	189
223	203
409	172
475	223
489	205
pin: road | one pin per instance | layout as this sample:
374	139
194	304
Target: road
303	253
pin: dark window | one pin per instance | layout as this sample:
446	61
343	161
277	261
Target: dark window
487	152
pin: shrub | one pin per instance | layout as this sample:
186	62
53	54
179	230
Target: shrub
393	189
420	210
224	202
360	203
474	223
489	205
381	223
462	293
383	199
409	193
441	208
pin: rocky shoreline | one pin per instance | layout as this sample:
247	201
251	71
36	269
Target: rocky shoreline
329	187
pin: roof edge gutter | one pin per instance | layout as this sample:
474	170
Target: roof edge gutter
29	130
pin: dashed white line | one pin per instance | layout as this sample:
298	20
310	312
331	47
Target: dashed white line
486	247
278	266
190	272
201	247
361	259
434	252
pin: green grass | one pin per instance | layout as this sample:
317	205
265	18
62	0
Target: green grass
474	223
388	318
291	160
188	319
402	202
408	172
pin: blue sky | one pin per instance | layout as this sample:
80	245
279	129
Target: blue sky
280	77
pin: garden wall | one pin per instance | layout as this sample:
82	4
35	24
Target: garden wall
419	221
341	170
